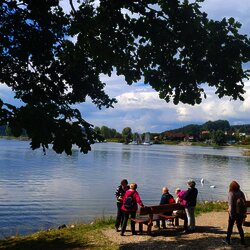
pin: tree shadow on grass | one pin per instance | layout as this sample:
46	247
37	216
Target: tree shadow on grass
175	239
172	231
40	244
208	242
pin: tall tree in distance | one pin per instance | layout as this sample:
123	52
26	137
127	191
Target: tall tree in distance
52	60
219	137
127	135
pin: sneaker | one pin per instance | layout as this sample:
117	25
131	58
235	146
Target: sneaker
122	234
226	241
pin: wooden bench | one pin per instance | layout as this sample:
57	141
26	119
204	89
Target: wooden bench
148	214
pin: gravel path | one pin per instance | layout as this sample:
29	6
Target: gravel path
211	230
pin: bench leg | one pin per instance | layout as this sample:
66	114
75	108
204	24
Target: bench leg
176	222
140	228
149	228
185	223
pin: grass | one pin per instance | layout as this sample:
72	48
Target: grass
82	236
203	144
209	206
85	236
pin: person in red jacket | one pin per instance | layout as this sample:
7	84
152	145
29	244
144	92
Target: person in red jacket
131	211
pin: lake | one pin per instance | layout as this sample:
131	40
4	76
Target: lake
40	191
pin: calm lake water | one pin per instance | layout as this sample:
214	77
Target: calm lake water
40	191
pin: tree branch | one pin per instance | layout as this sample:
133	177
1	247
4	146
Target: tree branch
72	6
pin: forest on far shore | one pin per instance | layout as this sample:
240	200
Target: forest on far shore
223	125
219	132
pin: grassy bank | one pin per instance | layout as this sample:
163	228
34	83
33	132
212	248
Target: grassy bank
82	236
213	206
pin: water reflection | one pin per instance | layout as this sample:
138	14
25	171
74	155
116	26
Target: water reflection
219	159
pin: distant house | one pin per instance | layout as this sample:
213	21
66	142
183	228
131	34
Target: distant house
192	137
175	136
242	134
205	132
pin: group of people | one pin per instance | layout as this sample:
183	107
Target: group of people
122	193
186	198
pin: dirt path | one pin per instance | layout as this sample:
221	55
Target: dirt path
211	230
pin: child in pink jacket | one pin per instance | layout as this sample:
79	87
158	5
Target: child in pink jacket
180	193
130	211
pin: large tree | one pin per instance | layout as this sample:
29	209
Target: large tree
219	137
52	60
127	135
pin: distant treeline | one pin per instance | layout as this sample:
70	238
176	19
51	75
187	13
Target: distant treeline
191	129
3	130
222	125
6	131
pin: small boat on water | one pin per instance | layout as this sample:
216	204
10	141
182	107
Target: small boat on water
137	140
147	141
134	143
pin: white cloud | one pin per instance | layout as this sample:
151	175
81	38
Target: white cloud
139	100
218	9
142	110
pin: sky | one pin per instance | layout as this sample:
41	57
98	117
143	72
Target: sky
139	106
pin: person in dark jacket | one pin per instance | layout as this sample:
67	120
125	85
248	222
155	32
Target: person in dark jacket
120	191
130	211
234	194
166	198
191	197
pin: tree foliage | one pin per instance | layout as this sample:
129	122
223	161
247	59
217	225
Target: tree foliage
52	60
216	125
222	125
127	134
219	137
245	128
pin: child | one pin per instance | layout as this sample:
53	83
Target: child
180	193
181	213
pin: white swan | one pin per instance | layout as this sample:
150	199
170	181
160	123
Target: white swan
202	181
212	186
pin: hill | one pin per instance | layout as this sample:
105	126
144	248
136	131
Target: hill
223	125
